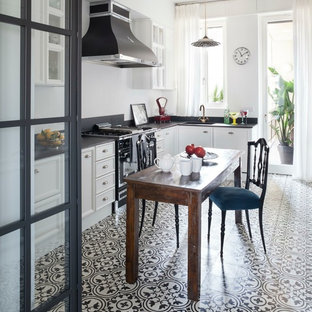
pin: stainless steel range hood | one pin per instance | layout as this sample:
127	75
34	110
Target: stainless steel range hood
109	39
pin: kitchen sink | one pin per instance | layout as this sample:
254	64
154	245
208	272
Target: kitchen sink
198	122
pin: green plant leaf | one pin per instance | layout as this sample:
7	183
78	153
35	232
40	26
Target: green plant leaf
283	113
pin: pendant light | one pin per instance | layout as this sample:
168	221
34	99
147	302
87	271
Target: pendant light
205	42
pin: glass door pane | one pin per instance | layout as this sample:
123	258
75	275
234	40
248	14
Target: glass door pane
48	11
10	269
10	72
10	179
280	104
12	7
48	73
49	262
50	169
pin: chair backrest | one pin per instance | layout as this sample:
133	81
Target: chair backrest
257	165
146	151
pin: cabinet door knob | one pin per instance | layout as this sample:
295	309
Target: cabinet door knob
205	131
104	183
230	132
105	199
36	171
105	166
104	151
87	156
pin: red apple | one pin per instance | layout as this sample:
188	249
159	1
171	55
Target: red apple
190	149
200	152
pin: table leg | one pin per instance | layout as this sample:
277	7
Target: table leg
132	249
238	183
194	246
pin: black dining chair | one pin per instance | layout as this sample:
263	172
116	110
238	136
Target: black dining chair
236	198
146	154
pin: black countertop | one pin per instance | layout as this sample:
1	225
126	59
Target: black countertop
165	125
43	152
46	151
92	141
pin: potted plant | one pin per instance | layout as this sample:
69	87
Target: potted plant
283	116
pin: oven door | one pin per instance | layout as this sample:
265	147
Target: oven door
127	161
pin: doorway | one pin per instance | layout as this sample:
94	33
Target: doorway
277	91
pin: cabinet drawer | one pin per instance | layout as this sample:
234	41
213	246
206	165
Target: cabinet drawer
159	135
231	138
160	147
105	198
104	183
104	151
104	166
198	135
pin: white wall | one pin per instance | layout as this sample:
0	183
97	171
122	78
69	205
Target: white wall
108	90
242	80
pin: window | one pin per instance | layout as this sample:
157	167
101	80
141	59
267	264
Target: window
212	69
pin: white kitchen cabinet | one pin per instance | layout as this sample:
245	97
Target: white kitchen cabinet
48	48
160	40
98	183
166	141
48	181
87	181
234	138
49	177
197	135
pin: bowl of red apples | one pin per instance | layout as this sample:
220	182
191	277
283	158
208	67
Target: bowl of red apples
198	151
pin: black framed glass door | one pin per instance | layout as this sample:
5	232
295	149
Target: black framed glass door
40	231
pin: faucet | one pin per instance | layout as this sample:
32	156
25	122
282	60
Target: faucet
203	118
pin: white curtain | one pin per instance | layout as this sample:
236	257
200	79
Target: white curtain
303	90
187	59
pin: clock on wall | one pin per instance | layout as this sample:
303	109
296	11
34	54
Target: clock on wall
241	55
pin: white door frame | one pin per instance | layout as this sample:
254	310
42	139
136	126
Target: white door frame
263	21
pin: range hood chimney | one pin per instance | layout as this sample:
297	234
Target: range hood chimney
109	39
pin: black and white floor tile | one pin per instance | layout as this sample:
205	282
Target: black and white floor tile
246	280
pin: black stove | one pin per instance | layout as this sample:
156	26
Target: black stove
116	132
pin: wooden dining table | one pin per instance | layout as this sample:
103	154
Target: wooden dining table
191	191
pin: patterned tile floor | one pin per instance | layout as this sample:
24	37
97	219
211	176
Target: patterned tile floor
246	280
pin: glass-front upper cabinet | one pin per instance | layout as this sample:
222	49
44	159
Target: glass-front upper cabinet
50	12
48	75
51	45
